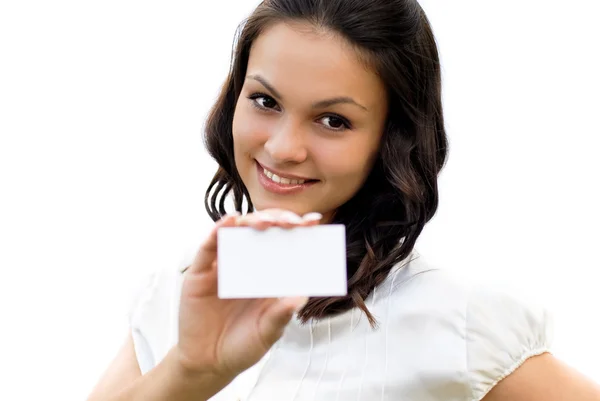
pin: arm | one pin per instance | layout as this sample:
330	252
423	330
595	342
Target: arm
123	380
544	378
123	370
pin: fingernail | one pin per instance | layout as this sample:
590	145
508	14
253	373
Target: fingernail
314	216
291	218
266	217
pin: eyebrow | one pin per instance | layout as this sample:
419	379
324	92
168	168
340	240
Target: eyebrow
266	84
318	105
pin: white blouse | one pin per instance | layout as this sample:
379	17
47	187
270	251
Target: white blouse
438	339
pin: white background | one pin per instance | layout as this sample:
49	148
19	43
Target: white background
102	169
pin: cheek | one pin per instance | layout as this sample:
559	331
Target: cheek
248	131
351	161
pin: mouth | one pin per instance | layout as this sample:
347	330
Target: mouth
282	183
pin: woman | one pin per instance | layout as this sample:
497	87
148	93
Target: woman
332	111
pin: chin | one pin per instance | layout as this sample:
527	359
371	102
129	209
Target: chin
262	205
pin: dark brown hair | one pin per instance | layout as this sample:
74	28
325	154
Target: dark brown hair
385	217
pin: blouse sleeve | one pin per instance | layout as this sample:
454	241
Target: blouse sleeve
137	316
502	333
153	314
153	317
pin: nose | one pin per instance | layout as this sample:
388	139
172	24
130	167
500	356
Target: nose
287	144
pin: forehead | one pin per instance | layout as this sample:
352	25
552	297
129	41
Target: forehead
300	60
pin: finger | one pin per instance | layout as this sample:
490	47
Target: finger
258	220
208	250
282	218
293	220
271	218
203	284
312	219
290	220
277	218
274	319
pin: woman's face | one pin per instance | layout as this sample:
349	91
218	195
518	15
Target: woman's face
308	122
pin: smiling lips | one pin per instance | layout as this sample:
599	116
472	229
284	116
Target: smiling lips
282	185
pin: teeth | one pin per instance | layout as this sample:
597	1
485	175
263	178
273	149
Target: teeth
281	180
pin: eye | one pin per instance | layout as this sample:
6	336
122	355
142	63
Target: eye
262	101
335	123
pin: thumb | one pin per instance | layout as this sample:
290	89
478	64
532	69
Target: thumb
277	316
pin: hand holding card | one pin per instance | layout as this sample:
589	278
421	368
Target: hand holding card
233	303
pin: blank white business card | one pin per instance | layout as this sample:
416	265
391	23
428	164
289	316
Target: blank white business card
303	261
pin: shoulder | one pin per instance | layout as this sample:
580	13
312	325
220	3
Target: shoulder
492	331
481	303
426	286
502	332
